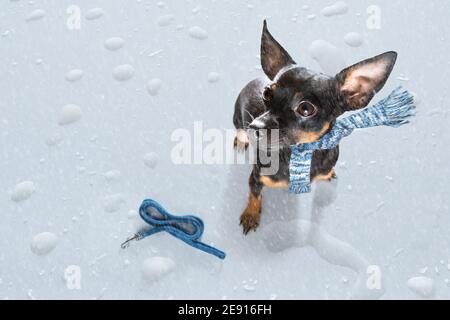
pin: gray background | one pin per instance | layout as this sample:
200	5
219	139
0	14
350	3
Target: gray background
400	224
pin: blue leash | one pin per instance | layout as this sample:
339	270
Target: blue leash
186	228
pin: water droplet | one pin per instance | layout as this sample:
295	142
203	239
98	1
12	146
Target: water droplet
123	72
44	243
153	86
353	39
198	33
70	113
22	191
165	20
94	13
338	8
114	43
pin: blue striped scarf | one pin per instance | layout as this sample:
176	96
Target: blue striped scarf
394	111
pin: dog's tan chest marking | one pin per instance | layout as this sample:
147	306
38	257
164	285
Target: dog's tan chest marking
313	136
284	184
268	182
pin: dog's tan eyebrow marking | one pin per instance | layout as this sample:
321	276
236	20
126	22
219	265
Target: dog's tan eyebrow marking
274	86
298	94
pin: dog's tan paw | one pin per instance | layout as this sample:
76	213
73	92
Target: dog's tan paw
326	177
241	141
249	221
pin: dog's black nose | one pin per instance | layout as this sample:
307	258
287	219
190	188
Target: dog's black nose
257	125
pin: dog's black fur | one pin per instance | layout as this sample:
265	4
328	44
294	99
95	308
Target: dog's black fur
303	106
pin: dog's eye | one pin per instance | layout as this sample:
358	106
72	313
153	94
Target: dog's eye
306	109
268	94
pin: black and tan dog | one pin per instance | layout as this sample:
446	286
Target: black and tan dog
303	106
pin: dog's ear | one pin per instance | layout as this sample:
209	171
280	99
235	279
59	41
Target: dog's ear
360	82
273	55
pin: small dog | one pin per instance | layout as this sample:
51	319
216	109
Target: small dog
303	106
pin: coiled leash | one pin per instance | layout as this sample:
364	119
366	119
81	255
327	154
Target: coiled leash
186	228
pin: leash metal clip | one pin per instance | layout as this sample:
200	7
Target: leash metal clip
126	244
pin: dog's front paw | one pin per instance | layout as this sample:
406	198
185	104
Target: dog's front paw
241	141
249	221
